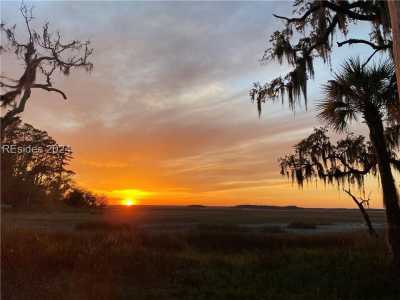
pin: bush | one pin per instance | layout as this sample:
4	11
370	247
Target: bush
80	198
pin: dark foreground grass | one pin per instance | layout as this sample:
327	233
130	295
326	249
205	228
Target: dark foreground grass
203	264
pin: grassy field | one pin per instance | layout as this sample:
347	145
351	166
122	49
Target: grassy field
94	256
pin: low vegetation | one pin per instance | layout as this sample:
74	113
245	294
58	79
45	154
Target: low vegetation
126	263
301	225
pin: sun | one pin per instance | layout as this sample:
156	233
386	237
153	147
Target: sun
129	202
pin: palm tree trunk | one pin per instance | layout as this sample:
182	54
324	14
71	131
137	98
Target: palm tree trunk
394	10
390	194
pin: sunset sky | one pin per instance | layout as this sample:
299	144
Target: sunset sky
165	116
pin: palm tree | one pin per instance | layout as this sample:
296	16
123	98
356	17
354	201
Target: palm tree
369	93
394	11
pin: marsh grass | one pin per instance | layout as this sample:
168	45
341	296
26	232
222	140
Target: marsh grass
199	264
301	225
102	226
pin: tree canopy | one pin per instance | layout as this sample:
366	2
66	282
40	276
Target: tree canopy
357	92
346	162
34	167
311	34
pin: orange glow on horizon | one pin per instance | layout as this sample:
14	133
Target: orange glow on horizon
279	192
126	197
129	202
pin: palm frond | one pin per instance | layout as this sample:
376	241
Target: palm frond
359	90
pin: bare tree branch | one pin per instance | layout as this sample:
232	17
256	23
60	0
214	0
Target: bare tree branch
359	41
43	53
49	89
360	204
343	9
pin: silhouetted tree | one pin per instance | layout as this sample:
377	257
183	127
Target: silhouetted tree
43	53
310	34
358	92
33	166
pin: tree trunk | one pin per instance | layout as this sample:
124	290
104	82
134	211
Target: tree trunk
394	10
12	115
390	195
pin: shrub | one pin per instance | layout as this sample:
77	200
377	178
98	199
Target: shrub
78	197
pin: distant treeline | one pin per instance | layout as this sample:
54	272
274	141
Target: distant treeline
248	206
251	206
